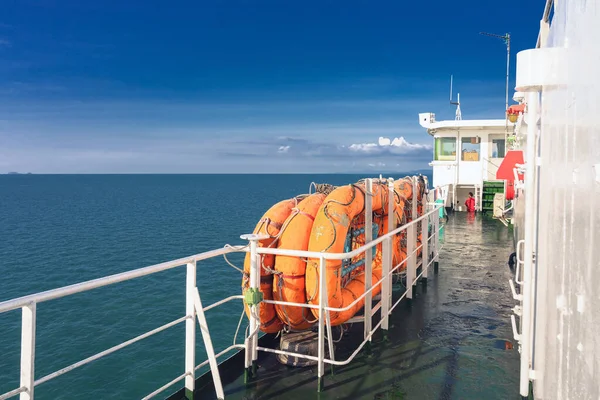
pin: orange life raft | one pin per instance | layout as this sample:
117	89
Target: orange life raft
290	271
328	224
328	235
403	196
270	224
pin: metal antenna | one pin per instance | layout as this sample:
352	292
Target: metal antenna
458	115
506	39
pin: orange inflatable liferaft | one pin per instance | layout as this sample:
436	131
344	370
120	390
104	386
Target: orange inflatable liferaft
398	247
403	194
290	271
328	223
328	235
270	224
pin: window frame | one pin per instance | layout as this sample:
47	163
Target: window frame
497	137
467	140
439	147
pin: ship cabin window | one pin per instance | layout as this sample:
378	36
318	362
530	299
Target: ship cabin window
497	146
445	149
470	148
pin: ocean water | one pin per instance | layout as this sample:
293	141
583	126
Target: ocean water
57	230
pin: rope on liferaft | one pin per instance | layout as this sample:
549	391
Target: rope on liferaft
325	211
319	188
281	284
354	187
324	188
282	228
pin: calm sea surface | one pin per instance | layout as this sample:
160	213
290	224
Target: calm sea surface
57	230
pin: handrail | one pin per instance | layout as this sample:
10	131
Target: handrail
108	351
12	393
108	280
359	298
350	254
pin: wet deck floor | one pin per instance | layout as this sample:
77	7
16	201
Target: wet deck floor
448	343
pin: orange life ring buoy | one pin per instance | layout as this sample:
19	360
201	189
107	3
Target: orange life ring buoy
289	280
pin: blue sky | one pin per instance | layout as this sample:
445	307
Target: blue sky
244	86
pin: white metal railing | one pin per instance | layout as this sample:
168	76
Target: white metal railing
387	271
196	311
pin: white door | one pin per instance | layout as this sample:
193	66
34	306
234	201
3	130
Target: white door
469	162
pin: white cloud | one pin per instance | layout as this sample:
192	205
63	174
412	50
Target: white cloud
397	145
365	147
379	154
383	141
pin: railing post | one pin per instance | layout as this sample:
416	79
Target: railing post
425	242
411	245
368	256
415	215
321	341
328	324
190	331
385	289
388	257
410	268
436	242
28	351
251	342
256	309
392	222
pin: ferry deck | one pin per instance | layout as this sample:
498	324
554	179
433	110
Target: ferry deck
453	340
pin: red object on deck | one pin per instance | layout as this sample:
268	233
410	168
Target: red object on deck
506	171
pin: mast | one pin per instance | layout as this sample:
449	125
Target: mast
458	115
506	39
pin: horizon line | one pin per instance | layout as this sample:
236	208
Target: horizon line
220	173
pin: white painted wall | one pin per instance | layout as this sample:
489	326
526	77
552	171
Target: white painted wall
468	172
444	173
